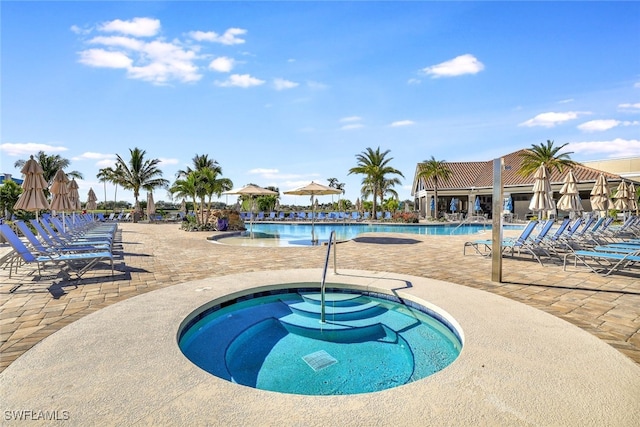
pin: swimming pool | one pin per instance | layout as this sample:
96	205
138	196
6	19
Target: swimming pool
299	234
275	341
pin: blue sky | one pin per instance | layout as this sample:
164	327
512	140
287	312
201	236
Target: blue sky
283	93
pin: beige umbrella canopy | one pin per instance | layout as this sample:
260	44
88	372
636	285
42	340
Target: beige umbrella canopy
32	198
251	191
600	194
313	189
60	190
633	198
74	196
151	206
541	200
621	201
570	199
91	200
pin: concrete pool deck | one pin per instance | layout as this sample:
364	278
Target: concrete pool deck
122	366
119	363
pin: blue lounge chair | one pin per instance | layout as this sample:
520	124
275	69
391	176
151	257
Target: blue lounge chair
604	263
483	247
49	245
78	262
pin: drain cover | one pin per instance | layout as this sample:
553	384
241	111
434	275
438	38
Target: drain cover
319	360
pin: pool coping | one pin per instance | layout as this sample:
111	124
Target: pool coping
121	365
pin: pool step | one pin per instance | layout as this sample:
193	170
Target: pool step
330	331
335	299
337	313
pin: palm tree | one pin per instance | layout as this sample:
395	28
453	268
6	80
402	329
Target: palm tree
375	166
50	165
9	194
200	161
138	173
333	183
547	155
434	170
185	188
104	176
205	174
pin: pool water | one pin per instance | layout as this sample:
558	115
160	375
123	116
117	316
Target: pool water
283	234
277	342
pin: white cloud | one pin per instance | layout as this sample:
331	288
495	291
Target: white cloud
106	163
636	85
240	80
261	171
350	119
352	127
29	148
222	64
76	29
414	81
602	125
282	84
139	27
613	148
598	125
168	161
94	156
566	101
551	119
119	41
316	85
104	59
228	38
400	123
458	66
629	106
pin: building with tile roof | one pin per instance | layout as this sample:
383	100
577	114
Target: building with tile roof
475	179
7	176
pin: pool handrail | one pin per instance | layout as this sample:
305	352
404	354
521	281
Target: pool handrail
332	238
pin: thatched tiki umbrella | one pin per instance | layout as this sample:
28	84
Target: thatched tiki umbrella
252	190
32	198
313	189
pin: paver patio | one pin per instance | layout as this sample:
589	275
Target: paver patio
154	256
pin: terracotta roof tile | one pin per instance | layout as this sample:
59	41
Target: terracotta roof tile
480	174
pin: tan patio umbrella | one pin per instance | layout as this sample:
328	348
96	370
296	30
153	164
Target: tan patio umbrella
621	198
74	197
541	200
570	199
60	191
32	198
633	198
252	191
91	200
313	189
183	206
151	206
600	195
